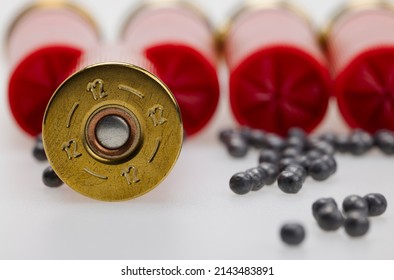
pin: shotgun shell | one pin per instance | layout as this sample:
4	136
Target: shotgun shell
360	43
278	73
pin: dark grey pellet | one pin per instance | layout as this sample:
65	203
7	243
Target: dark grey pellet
320	169
342	143
237	146
328	137
225	136
329	218
377	204
290	153
290	182
384	140
355	203
270	156
50	178
38	149
257	139
356	224
297	133
297	169
296	143
241	183
292	234
271	171
257	178
274	142
360	142
285	162
320	203
324	147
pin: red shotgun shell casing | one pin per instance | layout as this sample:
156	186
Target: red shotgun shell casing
360	43
44	44
181	44
278	73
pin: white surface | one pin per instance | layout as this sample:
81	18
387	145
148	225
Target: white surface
193	214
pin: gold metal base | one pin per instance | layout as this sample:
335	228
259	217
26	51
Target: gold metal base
117	89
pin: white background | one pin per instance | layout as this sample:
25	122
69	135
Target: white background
192	214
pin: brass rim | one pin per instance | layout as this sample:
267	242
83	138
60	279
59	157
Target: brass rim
48	4
132	143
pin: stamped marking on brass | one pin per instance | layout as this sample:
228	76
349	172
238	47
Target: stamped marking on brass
131	175
132	91
87	170
158	144
71	114
156	114
97	89
71	148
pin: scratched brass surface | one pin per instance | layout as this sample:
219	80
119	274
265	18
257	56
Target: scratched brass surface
122	86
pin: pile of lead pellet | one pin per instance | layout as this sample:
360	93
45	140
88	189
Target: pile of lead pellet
290	160
354	217
355	214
